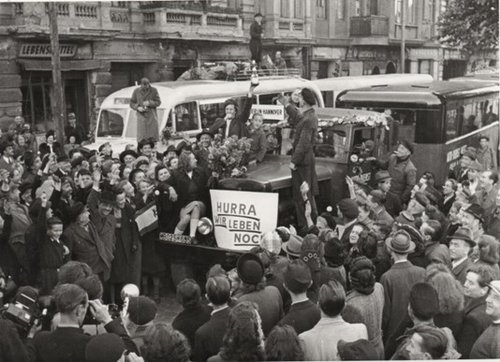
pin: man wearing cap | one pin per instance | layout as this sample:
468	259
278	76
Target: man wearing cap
303	314
75	129
488	344
234	123
403	172
348	212
144	101
461	245
256	31
303	163
140	313
398	282
487	192
392	202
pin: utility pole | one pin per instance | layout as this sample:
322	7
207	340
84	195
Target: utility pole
57	88
403	26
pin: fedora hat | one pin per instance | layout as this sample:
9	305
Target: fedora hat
465	234
204	131
293	246
400	243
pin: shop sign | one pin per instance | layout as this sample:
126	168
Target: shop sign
241	217
45	50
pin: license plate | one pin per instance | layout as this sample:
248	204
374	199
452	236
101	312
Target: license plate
173	238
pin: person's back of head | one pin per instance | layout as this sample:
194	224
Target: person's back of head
332	298
297	278
427	342
362	275
218	290
282	344
107	347
71	301
92	285
424	302
73	270
188	293
162	343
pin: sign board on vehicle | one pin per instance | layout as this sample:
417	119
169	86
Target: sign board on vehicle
269	111
241	217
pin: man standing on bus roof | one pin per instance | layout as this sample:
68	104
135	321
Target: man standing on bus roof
145	100
402	171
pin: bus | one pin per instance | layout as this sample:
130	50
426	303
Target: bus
200	101
490	77
331	87
441	118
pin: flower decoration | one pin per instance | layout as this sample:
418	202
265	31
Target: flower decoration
229	157
356	119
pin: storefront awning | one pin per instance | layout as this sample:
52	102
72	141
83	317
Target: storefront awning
66	65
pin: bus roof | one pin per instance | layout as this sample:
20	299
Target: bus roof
206	89
341	83
429	94
479	77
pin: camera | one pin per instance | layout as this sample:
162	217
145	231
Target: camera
114	311
24	311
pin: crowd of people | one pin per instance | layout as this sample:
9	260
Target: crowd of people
399	270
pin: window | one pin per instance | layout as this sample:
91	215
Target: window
397	10
298	9
268	98
340	9
411	12
185	117
321	9
425	66
285	8
111	122
209	112
357	8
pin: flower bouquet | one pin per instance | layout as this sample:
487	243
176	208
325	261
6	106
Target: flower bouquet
229	157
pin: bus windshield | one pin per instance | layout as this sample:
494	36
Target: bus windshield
111	122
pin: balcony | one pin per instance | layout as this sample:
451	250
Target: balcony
372	25
191	24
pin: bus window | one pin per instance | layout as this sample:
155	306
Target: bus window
186	117
428	127
210	112
268	98
111	122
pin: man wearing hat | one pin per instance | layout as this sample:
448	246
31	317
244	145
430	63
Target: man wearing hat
473	218
145	148
303	314
144	101
348	212
201	150
74	128
140	314
128	157
256	31
461	246
402	171
460	172
392	202
270	303
303	163
488	344
234	123
398	282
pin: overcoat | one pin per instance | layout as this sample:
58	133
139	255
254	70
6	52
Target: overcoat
147	121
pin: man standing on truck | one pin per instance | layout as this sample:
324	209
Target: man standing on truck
145	100
302	164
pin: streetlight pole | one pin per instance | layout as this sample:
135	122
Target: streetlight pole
403	26
57	89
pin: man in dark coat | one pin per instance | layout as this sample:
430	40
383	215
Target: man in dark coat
398	282
475	318
256	38
74	129
461	170
145	100
208	338
461	245
234	123
303	164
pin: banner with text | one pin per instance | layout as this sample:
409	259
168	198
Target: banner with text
270	112
241	217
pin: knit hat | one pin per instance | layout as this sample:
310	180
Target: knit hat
141	310
424	301
349	208
107	347
360	350
250	269
297	276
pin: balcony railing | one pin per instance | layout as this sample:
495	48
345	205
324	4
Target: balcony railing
369	25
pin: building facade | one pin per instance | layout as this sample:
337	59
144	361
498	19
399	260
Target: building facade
106	46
